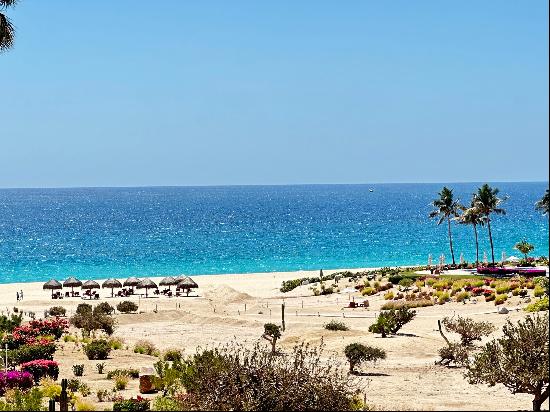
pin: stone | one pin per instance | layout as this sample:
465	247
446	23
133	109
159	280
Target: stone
503	310
147	384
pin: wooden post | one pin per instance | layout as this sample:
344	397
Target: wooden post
63	398
51	405
245	307
283	316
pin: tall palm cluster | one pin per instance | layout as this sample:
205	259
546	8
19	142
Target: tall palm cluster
7	31
483	205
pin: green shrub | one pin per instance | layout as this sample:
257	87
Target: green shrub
407	304
78	370
84	389
490	298
368	291
100	366
389	295
165	403
103	395
131	405
9	324
357	353
172	355
468	329
89	321
127	306
84	405
539	305
57	311
103	309
84	309
19	400
538	291
28	353
502	288
500	299
442	297
335	325
516	291
130	372
146	347
121	381
116	343
97	349
453	353
462	296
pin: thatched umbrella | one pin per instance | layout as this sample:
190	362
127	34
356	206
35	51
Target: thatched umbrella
90	284
187	284
53	285
168	281
112	283
147	284
72	282
131	281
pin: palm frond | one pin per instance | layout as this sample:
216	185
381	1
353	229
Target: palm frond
7	3
7	33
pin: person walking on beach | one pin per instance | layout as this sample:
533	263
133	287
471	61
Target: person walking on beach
17	293
21	294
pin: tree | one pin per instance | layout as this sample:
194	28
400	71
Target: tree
272	333
446	208
7	31
390	321
357	353
518	360
472	216
486	201
468	329
383	325
524	247
543	204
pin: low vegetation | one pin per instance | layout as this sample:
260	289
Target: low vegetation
336	325
357	353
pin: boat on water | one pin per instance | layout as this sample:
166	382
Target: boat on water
371	190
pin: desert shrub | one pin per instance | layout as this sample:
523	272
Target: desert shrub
539	305
357	353
368	291
83	405
22	400
389	295
538	291
289	285
103	309
272	333
131	405
70	338
84	389
130	372
501	288
8	324
408	304
236	378
73	384
392	320
100	366
84	309
518	360
146	347
50	388
489	297
78	369
27	353
516	291
40	368
15	380
500	299
127	306
419	284
116	343
530	285
430	282
462	296
453	353
89	321
103	395
57	311
442	297
468	329
172	355
121	381
97	349
335	325
165	403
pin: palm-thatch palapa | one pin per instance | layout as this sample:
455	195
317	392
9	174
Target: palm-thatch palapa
187	284
52	284
72	282
147	284
112	283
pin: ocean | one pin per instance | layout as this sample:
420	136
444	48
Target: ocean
157	231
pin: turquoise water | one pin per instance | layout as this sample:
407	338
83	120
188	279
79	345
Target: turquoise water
104	232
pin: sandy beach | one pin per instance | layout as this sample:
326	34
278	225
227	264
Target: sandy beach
229	308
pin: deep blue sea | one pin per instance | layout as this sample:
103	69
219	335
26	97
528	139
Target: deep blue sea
117	232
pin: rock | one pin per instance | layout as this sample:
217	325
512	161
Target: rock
527	300
147	384
503	310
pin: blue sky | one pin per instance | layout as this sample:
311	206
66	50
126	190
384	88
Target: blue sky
132	93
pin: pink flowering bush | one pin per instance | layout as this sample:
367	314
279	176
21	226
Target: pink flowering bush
15	380
40	368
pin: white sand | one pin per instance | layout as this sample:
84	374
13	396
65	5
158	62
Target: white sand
235	307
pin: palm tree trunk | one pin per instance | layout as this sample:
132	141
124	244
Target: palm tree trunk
477	246
451	240
491	240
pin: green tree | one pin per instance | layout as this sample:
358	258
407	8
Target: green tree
486	201
524	247
472	216
543	204
518	360
7	31
272	333
446	208
357	353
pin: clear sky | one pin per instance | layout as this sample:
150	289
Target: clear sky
132	93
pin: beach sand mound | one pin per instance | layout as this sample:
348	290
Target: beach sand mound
226	294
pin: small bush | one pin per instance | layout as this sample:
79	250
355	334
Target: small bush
57	311
121	381
468	329
15	380
146	347
537	306
103	309
116	343
127	306
453	353
50	388
368	291
84	389
173	355
100	366
131	405
462	296
335	325
84	309
357	353
538	291
103	395
389	295
500	299
442	297
40	368
489	297
97	349
84	405
131	373
78	369
502	288
516	291
73	385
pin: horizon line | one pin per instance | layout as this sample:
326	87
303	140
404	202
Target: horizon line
268	185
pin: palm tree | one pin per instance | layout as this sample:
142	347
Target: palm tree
524	247
544	203
7	31
472	216
486	202
446	208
